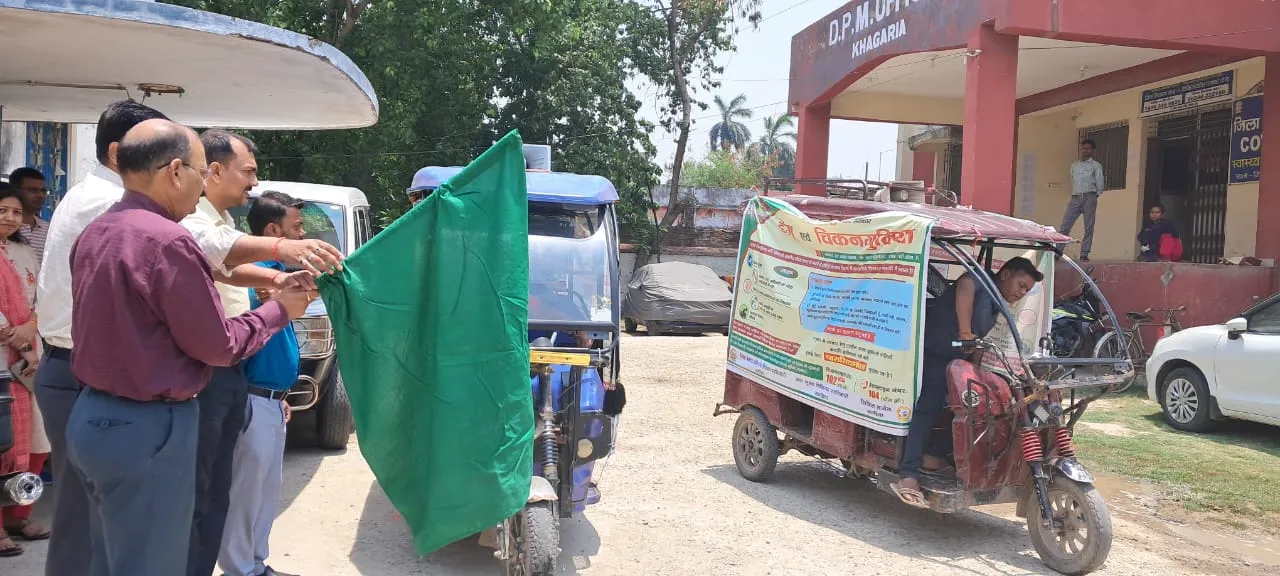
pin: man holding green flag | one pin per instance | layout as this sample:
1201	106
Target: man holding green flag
445	418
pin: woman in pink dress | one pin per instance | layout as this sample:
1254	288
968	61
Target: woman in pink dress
19	340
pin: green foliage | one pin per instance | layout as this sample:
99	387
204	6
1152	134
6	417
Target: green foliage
726	169
730	132
777	145
453	76
677	42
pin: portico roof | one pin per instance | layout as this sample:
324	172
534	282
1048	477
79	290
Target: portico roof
917	48
67	59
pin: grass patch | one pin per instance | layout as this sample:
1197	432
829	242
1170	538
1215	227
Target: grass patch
1234	470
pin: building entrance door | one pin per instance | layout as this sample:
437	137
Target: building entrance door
1186	172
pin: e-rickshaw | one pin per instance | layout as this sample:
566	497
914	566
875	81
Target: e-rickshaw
1011	418
574	320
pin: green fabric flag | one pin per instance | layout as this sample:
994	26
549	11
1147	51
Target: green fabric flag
431	320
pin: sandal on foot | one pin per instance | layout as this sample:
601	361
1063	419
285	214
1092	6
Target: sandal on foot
910	496
8	548
28	530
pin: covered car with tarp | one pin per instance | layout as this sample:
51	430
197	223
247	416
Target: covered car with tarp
677	297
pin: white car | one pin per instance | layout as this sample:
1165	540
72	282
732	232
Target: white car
1203	375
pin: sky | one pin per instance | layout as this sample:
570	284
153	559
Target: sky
759	69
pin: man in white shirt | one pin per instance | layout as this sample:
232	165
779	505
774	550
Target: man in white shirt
233	172
31	185
1087	184
56	388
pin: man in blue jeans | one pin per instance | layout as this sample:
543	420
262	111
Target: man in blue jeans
257	467
964	312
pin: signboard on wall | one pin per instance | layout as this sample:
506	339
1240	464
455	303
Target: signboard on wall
1246	140
1189	94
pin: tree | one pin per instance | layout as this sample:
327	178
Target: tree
777	145
730	132
453	76
727	169
678	42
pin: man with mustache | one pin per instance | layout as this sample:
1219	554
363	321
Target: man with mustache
233	172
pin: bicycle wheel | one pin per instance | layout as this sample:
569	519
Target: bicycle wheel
1122	345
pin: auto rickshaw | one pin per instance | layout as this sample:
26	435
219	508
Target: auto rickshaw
1011	417
574	320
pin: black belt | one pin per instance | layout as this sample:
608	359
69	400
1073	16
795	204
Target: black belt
63	354
268	393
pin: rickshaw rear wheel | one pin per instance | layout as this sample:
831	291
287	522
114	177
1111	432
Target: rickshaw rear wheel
755	445
1080	540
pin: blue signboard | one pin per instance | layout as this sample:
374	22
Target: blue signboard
1189	94
1246	140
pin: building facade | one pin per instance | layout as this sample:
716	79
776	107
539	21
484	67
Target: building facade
996	95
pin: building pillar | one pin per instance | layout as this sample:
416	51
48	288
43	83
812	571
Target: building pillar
990	121
812	141
1268	236
922	167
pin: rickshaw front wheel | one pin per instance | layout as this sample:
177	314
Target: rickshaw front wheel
755	445
535	538
1080	539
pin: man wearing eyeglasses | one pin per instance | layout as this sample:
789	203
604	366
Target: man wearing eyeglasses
31	184
232	173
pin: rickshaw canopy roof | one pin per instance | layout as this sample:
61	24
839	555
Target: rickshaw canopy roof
957	222
561	187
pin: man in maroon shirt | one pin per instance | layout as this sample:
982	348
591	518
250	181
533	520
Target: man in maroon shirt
148	324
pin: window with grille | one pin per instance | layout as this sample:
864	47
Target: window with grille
1111	149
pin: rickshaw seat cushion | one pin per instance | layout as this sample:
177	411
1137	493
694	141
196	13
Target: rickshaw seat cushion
973	390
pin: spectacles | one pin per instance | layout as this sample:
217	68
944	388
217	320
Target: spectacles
203	172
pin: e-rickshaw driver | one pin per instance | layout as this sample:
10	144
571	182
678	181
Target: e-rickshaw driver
963	313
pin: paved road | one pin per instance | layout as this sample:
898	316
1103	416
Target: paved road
674	504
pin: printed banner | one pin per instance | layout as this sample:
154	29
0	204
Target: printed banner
832	313
1246	140
1189	94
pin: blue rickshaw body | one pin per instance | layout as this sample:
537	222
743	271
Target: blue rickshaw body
568	193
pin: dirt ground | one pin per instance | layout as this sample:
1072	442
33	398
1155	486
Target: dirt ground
673	503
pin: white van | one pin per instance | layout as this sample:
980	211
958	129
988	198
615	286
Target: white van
340	216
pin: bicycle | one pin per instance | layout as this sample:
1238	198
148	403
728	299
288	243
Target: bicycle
1129	340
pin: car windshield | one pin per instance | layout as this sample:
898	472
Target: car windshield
569	279
320	221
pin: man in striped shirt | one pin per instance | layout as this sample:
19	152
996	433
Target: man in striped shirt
30	183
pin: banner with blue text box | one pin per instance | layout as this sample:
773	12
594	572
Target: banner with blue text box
1246	140
832	313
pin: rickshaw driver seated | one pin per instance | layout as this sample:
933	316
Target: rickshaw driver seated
964	312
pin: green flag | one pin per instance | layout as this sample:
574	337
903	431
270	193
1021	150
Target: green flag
431	320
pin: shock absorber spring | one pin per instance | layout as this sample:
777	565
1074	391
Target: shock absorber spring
1062	439
1032	449
550	457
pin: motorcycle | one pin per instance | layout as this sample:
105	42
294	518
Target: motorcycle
1078	322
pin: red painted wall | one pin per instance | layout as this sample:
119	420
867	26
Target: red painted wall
922	167
1212	294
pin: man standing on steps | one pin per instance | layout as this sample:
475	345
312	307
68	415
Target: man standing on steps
1087	184
233	172
56	388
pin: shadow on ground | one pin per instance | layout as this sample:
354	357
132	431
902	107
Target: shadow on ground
383	543
857	509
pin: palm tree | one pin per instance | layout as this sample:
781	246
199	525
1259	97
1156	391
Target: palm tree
729	132
776	145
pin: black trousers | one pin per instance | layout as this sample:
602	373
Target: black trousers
931	402
222	417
